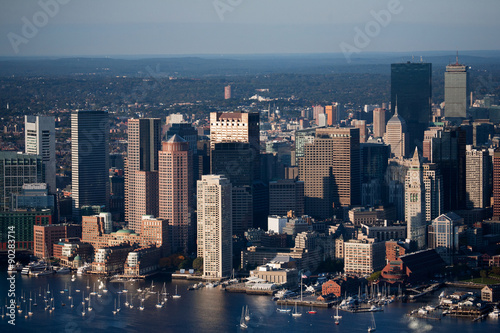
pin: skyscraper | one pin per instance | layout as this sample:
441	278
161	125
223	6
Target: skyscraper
446	148
330	170
456	97
378	122
40	139
433	182
141	170
411	85
415	202
477	189
396	135
175	168
215	226
331	114
237	127
496	183
227	92
89	159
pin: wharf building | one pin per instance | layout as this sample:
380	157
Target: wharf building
45	236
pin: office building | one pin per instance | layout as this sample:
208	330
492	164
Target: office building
286	195
477	182
446	148
496	183
22	222
415	215
330	170
45	236
15	171
234	160
433	183
361	125
331	114
141	170
176	195
456	91
379	123
215	226
303	137
396	135
185	131
40	139
89	159
237	127
33	196
444	235
411	86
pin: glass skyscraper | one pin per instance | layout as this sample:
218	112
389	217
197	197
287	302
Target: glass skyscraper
412	84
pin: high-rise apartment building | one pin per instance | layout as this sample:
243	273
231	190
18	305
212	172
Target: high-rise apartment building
215	226
378	123
227	92
176	196
415	202
89	159
477	188
40	139
330	170
456	97
141	170
411	86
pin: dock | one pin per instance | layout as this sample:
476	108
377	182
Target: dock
314	304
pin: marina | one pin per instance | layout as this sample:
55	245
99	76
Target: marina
207	309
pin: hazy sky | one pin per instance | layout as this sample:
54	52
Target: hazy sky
148	27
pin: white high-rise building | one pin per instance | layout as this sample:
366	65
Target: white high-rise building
40	139
415	215
215	226
396	135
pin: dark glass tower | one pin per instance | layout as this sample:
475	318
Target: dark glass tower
412	84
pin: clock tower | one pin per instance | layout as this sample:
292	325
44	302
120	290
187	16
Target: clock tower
415	202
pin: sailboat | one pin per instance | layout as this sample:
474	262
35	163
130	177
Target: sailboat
285	310
126	300
176	295
142	305
114	311
373	326
295	313
247	313
159	305
72	304
30	313
90	306
312	311
242	319
151	291
131	305
118	308
337	317
164	289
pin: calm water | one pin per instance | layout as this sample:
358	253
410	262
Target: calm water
204	310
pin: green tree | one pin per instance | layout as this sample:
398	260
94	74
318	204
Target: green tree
375	276
198	264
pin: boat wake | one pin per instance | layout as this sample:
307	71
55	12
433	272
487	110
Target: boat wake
419	326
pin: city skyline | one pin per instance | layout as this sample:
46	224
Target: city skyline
70	28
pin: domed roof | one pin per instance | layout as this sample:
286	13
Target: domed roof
124	231
78	257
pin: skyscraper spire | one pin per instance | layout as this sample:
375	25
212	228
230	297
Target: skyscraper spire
396	108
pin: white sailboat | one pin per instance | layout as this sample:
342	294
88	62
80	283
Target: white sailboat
142	305
373	326
296	313
126	300
118	308
247	313
176	295
242	319
30	313
337	317
159	305
114	310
